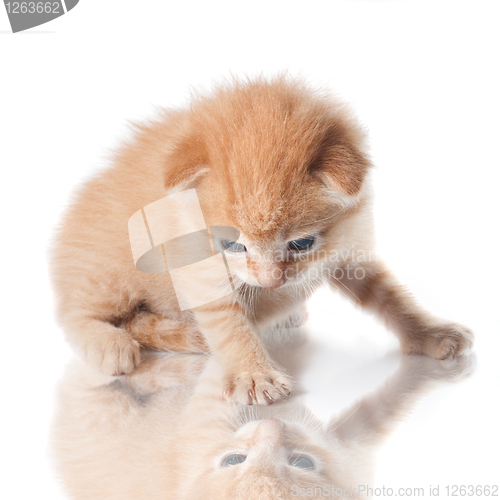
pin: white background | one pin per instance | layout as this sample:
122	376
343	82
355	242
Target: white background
423	76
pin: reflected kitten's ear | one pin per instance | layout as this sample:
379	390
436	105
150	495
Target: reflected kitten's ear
341	161
186	164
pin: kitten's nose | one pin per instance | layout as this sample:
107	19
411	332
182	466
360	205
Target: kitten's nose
271	281
271	431
270	274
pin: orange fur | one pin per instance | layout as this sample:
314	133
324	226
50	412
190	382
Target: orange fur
273	159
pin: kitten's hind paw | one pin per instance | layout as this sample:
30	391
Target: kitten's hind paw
117	355
261	386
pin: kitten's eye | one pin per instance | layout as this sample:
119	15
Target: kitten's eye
233	460
301	462
232	246
300	245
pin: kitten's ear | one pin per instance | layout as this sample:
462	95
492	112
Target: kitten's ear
186	163
341	162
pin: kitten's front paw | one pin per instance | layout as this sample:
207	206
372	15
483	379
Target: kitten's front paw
262	386
447	340
117	355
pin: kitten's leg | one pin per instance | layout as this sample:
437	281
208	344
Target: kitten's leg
114	346
165	334
250	374
109	347
374	288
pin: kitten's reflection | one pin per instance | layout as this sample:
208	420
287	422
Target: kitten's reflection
164	432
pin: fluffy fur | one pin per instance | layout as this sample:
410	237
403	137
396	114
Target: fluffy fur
164	431
273	159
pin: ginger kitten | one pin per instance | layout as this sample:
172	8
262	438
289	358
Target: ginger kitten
285	166
164	432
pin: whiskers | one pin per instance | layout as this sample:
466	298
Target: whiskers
344	416
330	276
307	287
237	416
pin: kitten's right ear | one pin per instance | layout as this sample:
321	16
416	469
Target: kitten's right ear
187	162
343	168
341	161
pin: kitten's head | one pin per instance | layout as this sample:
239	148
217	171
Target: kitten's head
265	459
280	163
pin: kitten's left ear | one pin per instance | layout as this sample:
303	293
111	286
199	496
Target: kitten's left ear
341	161
186	163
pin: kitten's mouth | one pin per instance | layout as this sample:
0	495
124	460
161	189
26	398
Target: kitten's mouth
274	283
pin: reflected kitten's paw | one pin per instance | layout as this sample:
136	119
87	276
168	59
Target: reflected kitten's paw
447	340
118	355
261	386
452	369
456	368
